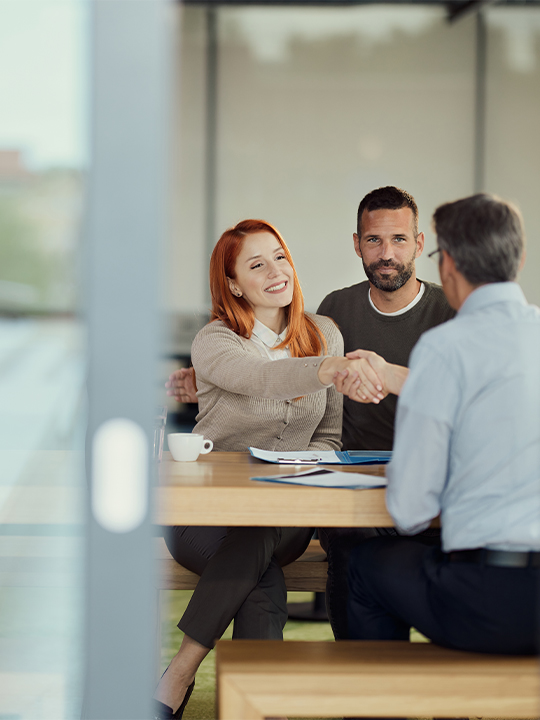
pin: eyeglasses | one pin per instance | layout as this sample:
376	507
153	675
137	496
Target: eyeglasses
431	255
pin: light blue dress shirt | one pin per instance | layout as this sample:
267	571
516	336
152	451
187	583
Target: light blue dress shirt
467	440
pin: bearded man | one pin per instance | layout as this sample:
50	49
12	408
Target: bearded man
386	313
467	449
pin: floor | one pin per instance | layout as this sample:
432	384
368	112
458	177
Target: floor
202	703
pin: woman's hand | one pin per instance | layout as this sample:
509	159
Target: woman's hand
362	381
372	378
354	377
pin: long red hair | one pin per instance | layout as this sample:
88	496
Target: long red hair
303	337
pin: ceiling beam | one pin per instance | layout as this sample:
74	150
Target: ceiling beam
459	10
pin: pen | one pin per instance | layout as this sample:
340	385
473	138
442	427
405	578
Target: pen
299	461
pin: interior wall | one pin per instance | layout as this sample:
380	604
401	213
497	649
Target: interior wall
317	106
513	124
186	264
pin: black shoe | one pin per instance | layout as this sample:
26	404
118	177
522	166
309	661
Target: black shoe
164	712
161	711
178	714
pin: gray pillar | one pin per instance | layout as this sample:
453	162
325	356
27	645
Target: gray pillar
211	113
129	65
480	103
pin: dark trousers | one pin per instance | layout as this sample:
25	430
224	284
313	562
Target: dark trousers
241	578
339	544
396	583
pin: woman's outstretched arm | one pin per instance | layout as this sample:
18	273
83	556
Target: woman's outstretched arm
228	361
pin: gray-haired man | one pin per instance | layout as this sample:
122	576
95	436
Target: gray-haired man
467	446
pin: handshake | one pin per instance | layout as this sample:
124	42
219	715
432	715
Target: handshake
362	375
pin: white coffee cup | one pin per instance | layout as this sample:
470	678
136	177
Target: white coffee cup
186	447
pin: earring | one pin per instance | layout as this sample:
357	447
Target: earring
238	294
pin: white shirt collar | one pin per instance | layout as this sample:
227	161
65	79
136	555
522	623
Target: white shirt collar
265	340
267	336
403	310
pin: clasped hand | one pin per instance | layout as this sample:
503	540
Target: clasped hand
363	379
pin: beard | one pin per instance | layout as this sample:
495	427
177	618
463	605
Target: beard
389	284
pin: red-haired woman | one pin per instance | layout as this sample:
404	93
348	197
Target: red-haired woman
264	371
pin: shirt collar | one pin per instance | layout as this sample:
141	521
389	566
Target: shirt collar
408	307
490	294
267	336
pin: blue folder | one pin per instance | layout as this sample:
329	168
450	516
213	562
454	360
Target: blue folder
364	457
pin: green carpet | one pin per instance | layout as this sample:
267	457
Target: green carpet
202	703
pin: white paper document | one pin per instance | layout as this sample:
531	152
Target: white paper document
323	457
317	477
309	457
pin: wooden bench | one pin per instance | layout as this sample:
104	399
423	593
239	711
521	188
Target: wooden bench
257	679
308	573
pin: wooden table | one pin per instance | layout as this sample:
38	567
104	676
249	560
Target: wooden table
216	490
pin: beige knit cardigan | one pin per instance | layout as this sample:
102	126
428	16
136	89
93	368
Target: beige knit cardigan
246	399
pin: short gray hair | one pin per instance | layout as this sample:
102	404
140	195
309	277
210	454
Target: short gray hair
483	235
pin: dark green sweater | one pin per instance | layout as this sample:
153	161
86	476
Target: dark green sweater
371	427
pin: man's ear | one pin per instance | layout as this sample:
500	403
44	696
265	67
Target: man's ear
522	261
357	245
419	244
447	266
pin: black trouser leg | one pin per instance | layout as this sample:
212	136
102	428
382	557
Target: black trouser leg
396	583
241	578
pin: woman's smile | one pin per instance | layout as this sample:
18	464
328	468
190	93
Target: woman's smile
277	288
